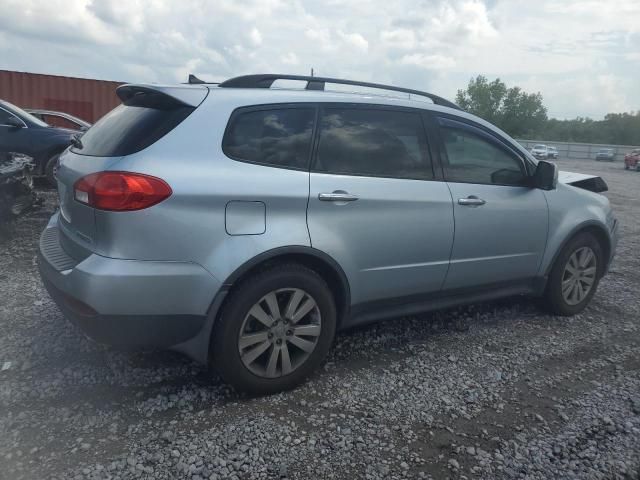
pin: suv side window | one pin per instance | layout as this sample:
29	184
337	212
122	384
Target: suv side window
474	156
373	142
280	137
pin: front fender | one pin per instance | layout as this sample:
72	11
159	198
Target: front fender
572	210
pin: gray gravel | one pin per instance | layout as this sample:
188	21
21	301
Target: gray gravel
497	390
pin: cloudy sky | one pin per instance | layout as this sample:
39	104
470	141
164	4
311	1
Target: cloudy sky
582	55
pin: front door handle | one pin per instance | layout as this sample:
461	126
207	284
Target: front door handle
471	201
337	196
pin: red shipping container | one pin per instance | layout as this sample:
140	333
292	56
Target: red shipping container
83	97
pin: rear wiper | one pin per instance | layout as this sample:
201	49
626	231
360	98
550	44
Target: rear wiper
76	142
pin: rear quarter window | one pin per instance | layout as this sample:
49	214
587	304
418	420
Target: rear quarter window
279	137
133	126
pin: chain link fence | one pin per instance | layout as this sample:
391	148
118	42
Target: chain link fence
580	151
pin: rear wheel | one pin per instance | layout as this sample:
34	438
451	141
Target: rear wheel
275	329
50	170
575	276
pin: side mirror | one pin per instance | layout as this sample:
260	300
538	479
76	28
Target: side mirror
14	122
546	176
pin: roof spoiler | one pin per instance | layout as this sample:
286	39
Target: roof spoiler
160	95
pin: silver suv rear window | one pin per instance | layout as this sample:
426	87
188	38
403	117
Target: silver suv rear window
133	126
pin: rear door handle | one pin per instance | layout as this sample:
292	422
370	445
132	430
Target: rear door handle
337	196
471	201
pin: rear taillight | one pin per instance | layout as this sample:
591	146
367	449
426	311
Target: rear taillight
120	191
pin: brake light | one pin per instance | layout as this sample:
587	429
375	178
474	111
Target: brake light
120	191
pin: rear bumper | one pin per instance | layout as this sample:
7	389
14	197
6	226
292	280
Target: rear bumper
128	303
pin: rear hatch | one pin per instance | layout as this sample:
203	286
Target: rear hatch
147	113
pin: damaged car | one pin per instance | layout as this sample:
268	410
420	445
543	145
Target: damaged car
16	185
245	225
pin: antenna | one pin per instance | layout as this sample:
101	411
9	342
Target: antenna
194	80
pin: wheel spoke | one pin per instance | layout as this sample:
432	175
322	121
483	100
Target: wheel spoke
294	301
272	303
587	256
573	262
286	361
567	287
301	343
589	272
307	330
305	308
587	280
259	314
249	339
273	361
250	356
580	291
574	293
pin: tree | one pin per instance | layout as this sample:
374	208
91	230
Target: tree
518	113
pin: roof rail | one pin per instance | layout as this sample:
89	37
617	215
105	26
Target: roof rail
318	83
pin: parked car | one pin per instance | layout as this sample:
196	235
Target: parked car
16	185
540	151
632	160
552	152
59	119
605	155
21	132
244	225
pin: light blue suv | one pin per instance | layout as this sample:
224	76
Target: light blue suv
243	224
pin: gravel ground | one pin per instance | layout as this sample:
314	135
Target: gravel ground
497	390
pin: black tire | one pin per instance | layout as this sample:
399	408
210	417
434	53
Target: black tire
553	297
225	353
626	167
50	170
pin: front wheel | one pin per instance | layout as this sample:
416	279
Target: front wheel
575	275
275	329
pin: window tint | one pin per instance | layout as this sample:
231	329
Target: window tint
473	158
372	142
132	126
4	116
279	137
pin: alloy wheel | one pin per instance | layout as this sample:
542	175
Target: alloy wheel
279	333
579	275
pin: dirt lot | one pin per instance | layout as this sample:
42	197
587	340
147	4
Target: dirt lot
498	390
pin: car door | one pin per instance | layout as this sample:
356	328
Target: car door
501	224
375	205
13	138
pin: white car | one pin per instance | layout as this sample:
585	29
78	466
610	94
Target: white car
540	151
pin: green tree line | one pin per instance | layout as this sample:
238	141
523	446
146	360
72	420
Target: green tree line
523	115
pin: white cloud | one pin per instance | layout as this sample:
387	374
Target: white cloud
290	59
431	62
255	37
355	40
403	38
582	55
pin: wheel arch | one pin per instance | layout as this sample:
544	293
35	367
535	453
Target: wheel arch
596	229
310	257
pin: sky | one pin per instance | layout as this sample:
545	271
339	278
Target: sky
583	56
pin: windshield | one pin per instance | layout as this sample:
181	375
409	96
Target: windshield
539	147
605	150
27	117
